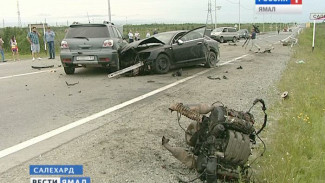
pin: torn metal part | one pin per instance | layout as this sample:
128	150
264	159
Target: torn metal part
42	67
214	78
71	84
135	66
290	41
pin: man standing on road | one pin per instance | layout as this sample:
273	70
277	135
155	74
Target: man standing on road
49	37
253	38
34	42
1	49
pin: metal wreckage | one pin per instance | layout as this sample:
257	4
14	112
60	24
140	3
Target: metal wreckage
220	144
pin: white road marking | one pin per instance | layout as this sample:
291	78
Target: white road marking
26	74
72	125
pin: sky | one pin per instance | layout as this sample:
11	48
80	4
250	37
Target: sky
63	12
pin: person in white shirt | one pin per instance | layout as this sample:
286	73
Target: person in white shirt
148	34
137	35
130	36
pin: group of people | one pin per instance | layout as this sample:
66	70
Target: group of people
33	39
136	36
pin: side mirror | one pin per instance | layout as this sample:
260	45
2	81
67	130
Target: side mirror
180	42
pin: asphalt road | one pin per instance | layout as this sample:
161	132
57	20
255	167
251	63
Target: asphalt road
35	102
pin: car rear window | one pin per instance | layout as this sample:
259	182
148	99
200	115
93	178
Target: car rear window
88	31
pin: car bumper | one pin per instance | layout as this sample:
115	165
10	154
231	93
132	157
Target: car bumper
103	58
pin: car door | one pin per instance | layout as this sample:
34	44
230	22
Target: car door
190	47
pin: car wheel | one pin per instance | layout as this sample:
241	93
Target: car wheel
211	60
234	39
222	40
162	64
69	70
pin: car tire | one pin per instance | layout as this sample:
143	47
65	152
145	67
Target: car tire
222	40
234	39
69	70
211	60
162	64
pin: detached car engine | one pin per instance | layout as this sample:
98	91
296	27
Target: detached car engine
220	143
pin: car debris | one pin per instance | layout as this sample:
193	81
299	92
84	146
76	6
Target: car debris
71	84
133	67
178	73
290	41
300	62
42	67
221	141
214	78
285	95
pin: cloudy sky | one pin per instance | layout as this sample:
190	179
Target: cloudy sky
62	12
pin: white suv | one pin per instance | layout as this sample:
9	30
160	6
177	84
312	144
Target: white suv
224	34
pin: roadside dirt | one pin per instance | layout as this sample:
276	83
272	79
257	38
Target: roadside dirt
129	149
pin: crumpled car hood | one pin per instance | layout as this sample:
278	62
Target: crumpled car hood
136	44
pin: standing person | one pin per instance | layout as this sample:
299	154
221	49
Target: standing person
148	34
253	39
1	49
278	30
137	35
155	32
33	38
130	36
14	48
49	37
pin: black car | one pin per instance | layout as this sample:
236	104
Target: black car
164	51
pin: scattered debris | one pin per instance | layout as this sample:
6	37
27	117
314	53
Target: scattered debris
59	65
232	44
150	81
79	91
214	78
300	62
240	67
71	84
224	77
285	95
42	67
70	94
226	71
178	73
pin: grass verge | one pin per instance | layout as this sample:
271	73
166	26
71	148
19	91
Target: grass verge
296	145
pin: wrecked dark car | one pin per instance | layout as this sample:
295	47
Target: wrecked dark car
168	50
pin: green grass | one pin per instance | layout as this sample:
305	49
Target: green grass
296	144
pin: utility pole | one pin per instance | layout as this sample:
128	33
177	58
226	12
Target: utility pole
239	16
18	12
109	10
209	15
215	13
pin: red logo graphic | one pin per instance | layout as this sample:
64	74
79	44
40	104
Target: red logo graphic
296	1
